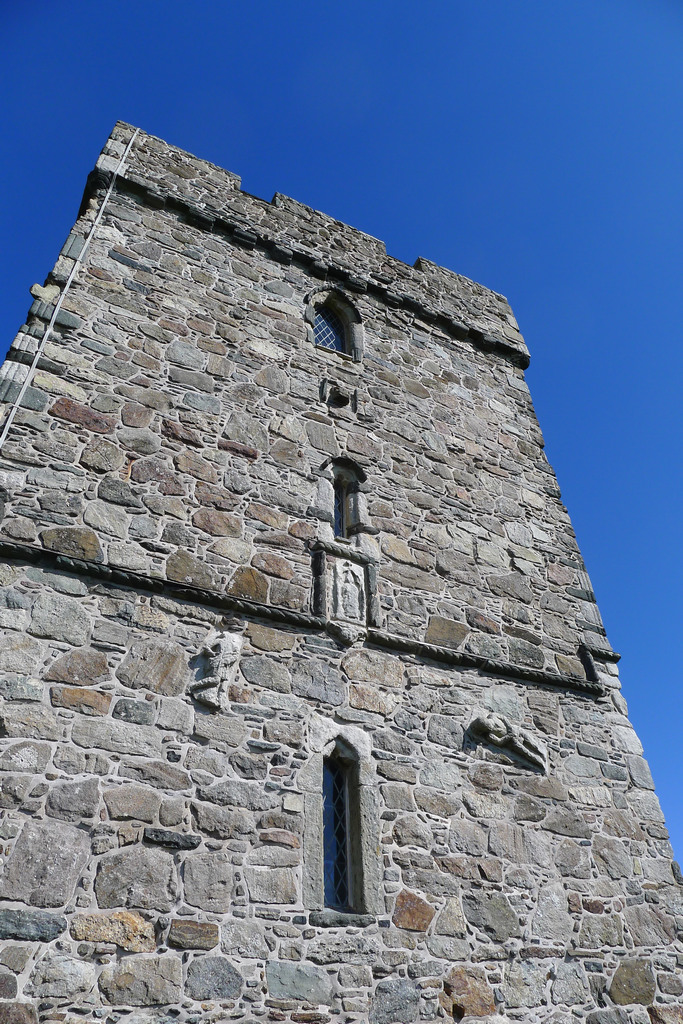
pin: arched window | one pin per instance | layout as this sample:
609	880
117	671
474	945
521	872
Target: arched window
342	863
334	323
341	507
336	838
328	330
348	514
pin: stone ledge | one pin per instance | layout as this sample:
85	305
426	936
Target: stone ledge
138	582
340	919
485	665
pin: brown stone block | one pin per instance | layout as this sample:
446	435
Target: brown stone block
216	496
134	415
374	667
88	702
145	470
157	665
178	432
82	667
365	698
77	541
218	524
662	1014
467	993
245	450
250	584
633	982
126	928
412	912
18	1013
273	565
186	462
478	620
74	412
569	666
185	568
265	638
270	516
280	837
193	935
445	632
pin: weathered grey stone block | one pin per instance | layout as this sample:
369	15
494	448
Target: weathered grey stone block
244	939
60	618
110	734
238	793
143	981
26	757
130	801
299	981
271	885
73	801
61	977
569	986
136	877
491	911
208	881
212	977
649	926
524	983
30	925
44	865
160	666
598	930
317	680
396	1001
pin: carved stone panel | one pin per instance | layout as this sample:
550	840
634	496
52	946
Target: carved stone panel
216	667
344	585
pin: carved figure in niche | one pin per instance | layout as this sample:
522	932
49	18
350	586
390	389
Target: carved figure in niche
348	592
218	661
502	733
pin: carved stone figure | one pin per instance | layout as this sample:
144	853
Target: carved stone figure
505	734
219	654
348	592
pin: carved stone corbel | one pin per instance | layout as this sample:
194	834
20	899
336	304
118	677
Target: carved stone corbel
217	664
500	732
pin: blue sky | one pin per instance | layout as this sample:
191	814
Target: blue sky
533	146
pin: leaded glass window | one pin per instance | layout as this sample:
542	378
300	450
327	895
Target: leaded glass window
328	330
336	835
340	508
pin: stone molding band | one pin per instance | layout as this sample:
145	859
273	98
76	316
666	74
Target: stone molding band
217	223
11	550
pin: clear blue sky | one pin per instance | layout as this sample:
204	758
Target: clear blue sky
534	146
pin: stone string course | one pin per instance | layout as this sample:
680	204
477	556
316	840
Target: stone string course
166	478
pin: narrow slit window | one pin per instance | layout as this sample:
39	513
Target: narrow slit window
328	330
341	501
337	879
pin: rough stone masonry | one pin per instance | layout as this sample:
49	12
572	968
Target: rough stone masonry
231	557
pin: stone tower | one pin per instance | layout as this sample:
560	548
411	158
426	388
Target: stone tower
308	713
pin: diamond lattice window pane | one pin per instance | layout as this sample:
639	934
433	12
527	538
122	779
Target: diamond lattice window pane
335	839
328	330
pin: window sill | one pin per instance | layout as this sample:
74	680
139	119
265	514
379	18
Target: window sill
340	919
336	352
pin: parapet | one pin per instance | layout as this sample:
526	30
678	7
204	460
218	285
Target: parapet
168	176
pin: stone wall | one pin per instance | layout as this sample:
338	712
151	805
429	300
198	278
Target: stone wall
176	659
